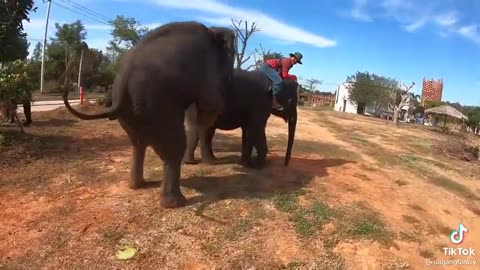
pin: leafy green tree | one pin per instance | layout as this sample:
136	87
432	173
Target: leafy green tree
37	52
13	40
432	104
14	81
126	33
362	89
65	49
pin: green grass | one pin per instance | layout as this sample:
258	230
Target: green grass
239	228
355	221
359	222
286	202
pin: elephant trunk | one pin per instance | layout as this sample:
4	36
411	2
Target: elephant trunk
292	125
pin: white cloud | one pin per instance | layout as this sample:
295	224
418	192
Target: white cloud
269	26
358	12
471	32
416	25
414	15
447	19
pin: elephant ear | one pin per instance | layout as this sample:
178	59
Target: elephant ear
225	38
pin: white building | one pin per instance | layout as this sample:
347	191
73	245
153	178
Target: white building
344	104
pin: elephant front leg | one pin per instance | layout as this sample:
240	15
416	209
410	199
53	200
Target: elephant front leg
257	137
260	143
206	138
247	148
138	158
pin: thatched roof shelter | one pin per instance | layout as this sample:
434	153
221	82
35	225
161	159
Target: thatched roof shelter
447	111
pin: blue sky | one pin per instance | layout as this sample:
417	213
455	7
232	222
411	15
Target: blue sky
404	39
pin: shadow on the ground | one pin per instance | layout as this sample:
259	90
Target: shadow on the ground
249	183
53	122
66	146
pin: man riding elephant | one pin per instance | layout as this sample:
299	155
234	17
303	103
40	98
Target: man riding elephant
277	70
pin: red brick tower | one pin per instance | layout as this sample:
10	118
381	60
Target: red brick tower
432	90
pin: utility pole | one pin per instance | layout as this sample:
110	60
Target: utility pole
80	71
44	45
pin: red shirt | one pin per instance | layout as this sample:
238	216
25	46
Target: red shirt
283	64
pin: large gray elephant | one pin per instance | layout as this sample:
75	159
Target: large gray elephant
172	67
248	105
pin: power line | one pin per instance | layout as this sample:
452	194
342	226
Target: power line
81	13
87	10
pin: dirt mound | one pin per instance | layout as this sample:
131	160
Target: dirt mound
460	147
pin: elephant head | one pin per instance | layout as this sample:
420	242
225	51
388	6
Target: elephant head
288	99
227	39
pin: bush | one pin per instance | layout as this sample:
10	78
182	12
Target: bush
51	87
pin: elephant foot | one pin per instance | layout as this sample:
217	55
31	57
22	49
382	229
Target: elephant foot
172	200
136	184
190	161
246	163
259	165
27	123
209	160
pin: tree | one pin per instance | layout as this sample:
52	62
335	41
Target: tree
66	47
37	52
473	114
312	83
404	96
126	33
261	55
14	81
243	34
12	36
361	88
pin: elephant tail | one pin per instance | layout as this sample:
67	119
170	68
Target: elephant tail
111	113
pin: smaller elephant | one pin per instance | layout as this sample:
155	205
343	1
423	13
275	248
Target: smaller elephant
248	105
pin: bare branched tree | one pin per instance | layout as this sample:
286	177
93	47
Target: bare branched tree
243	34
312	83
404	94
259	55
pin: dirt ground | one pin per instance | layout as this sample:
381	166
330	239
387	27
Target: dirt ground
358	194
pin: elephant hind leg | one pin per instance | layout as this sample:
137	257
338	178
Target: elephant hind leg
170	145
192	141
138	159
206	138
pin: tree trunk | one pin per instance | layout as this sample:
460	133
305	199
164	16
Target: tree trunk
396	111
